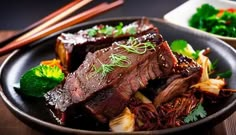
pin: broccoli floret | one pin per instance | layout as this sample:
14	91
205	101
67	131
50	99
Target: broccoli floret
40	79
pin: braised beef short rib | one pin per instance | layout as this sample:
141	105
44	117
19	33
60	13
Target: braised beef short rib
106	96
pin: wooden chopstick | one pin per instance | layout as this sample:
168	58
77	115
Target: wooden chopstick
61	25
39	22
55	18
55	13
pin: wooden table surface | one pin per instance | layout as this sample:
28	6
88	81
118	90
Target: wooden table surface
10	125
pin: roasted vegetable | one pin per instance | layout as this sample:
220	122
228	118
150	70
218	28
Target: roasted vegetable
205	62
52	63
211	86
127	120
40	79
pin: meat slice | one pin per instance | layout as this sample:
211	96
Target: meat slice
186	73
106	96
91	82
71	48
110	102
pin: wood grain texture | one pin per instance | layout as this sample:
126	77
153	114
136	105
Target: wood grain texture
10	125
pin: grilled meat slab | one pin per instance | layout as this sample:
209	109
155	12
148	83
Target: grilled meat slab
106	96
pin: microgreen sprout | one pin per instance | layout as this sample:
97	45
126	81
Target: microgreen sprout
134	46
117	60
104	69
120	60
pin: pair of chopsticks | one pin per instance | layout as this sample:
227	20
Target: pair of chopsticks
62	12
51	24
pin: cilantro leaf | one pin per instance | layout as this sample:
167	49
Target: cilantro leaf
226	74
178	45
199	111
196	54
182	47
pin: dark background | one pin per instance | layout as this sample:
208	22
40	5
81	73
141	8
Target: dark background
18	14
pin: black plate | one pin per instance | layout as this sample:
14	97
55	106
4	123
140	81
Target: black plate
34	112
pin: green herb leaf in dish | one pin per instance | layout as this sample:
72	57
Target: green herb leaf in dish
199	111
182	47
107	30
226	74
92	32
40	79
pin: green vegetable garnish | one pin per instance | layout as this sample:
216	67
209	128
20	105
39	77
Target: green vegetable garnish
213	65
134	46
199	111
92	32
210	19
196	54
117	60
132	30
200	18
179	45
104	69
40	79
119	30
107	30
182	47
226	74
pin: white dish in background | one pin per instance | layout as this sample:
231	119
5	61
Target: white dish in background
183	13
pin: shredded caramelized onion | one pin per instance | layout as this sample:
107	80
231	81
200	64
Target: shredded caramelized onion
145	114
171	114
